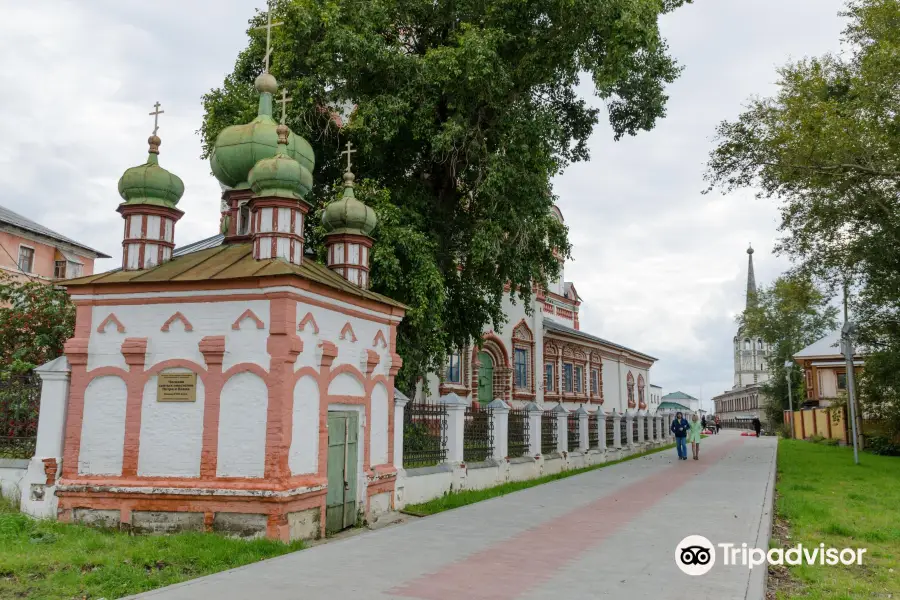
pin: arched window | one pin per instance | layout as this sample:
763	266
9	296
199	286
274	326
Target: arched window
454	373
759	344
747	344
630	381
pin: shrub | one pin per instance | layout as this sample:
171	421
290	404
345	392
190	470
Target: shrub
877	444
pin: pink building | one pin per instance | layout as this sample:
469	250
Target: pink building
30	249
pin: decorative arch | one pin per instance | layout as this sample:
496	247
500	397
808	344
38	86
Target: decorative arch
523	362
522	332
348	330
642	404
630	384
247	314
346	382
177	317
497	378
379	339
111	318
309	320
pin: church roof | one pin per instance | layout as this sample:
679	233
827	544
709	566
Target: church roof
672	406
554	326
231	261
678	396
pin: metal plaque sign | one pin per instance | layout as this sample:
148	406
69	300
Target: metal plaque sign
176	387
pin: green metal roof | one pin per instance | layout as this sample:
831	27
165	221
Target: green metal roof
230	261
678	396
672	406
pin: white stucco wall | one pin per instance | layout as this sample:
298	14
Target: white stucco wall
612	386
242	427
207	318
378	452
103	427
171	433
330	324
346	384
304	452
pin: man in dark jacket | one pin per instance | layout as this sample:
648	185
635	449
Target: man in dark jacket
679	429
757	426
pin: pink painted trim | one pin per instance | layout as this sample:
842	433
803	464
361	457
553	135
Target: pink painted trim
348	329
177	317
247	314
111	319
309	319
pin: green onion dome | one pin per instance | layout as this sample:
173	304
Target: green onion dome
349	215
149	183
280	176
239	147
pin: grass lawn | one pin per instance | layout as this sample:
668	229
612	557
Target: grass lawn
466	497
46	559
824	497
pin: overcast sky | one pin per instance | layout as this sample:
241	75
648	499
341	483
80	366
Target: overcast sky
661	267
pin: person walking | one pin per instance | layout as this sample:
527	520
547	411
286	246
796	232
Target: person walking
718	425
703	422
757	426
696	428
679	429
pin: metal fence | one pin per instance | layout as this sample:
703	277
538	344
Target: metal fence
424	435
635	432
735	424
652	426
593	431
478	434
20	399
574	431
610	433
623	431
549	422
518	432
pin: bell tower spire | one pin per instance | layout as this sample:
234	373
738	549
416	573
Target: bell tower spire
751	278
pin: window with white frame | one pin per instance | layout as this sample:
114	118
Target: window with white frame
521	365
567	378
26	259
454	372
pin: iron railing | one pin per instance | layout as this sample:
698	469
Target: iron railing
518	432
593	431
20	399
735	424
549	422
478	434
574	431
635	431
652	421
424	435
610	432
623	431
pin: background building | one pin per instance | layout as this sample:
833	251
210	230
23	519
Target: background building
825	370
28	249
656	394
680	401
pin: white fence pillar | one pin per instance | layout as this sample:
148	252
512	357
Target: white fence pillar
456	419
534	428
500	428
660	432
400	402
562	428
583	433
617	430
38	493
629	430
601	429
642	429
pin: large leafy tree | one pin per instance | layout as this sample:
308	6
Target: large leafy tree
788	315
827	145
463	111
36	319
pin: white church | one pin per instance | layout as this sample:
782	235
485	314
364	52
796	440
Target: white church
545	357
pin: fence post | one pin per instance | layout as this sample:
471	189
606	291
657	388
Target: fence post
456	419
562	428
500	427
534	428
617	430
399	410
629	430
583	434
38	497
601	430
667	425
660	432
642	429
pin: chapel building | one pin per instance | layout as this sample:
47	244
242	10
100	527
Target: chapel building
544	357
237	385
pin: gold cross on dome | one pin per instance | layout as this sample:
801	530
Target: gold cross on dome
155	114
268	27
348	152
284	102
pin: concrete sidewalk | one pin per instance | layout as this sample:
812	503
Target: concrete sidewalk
611	533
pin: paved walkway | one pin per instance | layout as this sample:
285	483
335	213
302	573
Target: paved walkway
610	533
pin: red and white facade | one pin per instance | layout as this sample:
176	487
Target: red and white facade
348	256
277	229
149	236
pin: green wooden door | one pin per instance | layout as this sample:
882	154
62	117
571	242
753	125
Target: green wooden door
343	453
485	378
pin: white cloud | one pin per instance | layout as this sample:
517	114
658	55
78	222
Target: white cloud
660	266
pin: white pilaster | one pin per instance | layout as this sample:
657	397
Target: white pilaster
500	427
601	429
399	409
562	428
583	435
629	430
456	417
642	428
534	428
617	430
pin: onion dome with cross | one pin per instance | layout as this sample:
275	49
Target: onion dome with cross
150	193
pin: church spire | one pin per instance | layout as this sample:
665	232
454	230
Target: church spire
751	278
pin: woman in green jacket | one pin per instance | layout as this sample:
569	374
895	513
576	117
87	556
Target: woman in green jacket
694	435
